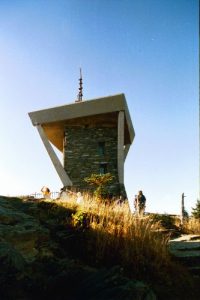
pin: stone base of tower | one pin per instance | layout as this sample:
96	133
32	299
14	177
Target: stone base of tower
114	191
117	190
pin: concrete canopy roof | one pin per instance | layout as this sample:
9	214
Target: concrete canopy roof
53	120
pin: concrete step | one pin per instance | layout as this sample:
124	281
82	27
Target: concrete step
186	250
185	245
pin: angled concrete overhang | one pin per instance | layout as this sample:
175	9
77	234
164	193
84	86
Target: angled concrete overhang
103	110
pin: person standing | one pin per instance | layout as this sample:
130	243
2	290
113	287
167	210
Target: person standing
136	205
140	204
46	192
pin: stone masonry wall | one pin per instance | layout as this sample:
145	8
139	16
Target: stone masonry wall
82	156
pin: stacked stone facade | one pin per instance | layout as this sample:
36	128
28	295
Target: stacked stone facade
91	150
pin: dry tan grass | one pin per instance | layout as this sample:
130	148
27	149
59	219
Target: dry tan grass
192	226
118	233
106	235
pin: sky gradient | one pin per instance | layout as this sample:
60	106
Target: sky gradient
146	49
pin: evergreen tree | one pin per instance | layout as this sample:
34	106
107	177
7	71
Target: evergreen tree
100	181
196	210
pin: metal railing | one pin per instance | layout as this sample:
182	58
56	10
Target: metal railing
52	195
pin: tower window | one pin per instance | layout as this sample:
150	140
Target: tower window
101	148
103	168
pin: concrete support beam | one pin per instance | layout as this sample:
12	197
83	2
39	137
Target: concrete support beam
126	149
120	147
56	162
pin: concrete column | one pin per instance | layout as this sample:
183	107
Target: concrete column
56	162
126	149
120	147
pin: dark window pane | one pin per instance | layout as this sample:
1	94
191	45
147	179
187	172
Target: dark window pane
101	148
103	168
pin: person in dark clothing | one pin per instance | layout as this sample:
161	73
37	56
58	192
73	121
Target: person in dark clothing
140	204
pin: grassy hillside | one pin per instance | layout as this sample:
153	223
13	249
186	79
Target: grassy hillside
92	250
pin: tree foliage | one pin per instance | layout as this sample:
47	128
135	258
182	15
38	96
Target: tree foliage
196	210
100	181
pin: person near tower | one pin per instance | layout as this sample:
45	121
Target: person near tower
140	204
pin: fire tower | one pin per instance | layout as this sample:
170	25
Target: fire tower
94	137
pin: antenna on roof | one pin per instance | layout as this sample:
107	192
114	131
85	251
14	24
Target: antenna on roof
80	94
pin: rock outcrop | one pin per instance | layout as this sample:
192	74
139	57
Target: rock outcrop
19	229
34	265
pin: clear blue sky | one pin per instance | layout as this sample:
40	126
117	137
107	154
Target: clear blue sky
146	49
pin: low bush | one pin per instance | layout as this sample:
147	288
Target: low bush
166	221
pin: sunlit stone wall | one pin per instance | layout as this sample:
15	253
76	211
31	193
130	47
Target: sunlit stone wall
91	150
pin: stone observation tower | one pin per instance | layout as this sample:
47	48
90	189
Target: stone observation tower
94	137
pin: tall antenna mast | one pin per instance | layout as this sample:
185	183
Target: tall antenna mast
80	94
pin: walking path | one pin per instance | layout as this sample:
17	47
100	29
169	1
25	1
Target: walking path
186	249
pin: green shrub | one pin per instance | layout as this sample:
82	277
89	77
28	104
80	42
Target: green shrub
165	220
100	182
80	219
